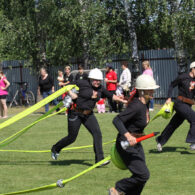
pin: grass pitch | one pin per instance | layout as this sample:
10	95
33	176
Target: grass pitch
172	171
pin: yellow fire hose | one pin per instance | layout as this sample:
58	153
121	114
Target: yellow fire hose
21	132
36	106
60	183
47	151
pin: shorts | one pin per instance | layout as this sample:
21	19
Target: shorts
3	96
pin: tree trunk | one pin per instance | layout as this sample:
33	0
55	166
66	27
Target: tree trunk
85	41
179	49
133	38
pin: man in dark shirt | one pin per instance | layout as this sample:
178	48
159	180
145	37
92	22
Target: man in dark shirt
182	106
81	75
90	91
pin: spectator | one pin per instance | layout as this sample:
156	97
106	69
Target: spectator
4	84
67	79
60	76
60	79
119	93
125	78
101	106
81	74
46	87
67	76
111	83
148	70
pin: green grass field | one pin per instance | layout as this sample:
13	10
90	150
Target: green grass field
172	171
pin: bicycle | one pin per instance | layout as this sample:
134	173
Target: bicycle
23	96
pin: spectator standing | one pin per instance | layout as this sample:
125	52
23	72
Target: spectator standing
81	75
67	79
125	79
60	80
4	84
119	93
46	87
148	70
111	83
60	76
101	105
67	76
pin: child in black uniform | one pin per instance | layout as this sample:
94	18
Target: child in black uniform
130	123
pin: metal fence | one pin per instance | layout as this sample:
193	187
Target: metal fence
162	62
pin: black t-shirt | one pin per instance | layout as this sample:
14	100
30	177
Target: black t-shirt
83	76
46	84
132	119
183	82
84	100
68	78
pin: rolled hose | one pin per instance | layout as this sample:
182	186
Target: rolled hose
116	159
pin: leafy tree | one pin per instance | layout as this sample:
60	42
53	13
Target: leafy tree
91	31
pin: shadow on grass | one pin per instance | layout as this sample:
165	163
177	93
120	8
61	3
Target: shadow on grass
70	162
21	163
171	149
41	113
61	162
38	113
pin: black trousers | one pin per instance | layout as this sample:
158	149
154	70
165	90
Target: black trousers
183	111
134	159
112	104
75	120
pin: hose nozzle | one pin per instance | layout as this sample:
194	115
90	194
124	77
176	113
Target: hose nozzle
60	184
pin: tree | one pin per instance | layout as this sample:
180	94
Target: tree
90	31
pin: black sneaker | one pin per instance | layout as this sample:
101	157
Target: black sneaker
54	154
104	164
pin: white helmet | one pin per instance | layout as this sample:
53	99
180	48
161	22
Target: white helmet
95	74
192	65
145	82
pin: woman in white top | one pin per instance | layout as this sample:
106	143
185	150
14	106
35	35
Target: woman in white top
125	78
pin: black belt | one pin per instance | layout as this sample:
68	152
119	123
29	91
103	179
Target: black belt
85	112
